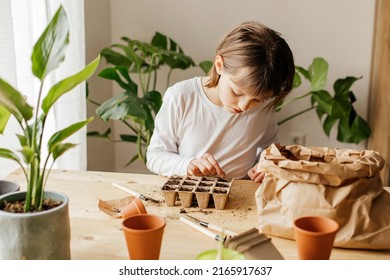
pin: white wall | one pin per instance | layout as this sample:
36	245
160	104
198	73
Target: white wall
339	31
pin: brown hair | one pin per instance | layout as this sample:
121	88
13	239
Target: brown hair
266	55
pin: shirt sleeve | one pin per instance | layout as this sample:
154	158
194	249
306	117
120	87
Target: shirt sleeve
162	153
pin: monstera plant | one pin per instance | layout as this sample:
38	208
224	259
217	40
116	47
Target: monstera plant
331	109
136	66
47	233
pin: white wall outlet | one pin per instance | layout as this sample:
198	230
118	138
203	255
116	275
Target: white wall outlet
297	139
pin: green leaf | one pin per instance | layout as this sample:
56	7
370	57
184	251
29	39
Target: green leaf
342	86
68	84
297	80
4	117
360	129
154	100
129	138
13	102
121	107
149	122
324	101
105	134
131	55
328	124
303	71
131	86
28	154
206	66
113	108
60	148
5	153
318	72
65	133
115	58
49	51
160	40
22	140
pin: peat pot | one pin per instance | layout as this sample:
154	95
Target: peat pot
41	235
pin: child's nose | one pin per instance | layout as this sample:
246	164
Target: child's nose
244	104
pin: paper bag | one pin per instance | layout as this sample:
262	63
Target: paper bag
341	184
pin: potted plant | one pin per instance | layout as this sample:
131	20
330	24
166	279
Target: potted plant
337	109
42	230
135	66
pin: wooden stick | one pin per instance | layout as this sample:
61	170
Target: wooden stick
201	229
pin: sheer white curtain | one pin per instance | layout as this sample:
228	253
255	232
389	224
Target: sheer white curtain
21	24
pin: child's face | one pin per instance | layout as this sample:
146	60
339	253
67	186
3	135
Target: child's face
234	99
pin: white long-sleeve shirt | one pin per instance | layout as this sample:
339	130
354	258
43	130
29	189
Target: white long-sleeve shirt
189	125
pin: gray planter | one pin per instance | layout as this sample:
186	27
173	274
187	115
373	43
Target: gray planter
37	236
8	187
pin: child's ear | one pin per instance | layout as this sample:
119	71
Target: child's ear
218	64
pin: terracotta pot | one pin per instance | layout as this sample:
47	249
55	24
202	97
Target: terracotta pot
143	235
315	236
8	187
136	207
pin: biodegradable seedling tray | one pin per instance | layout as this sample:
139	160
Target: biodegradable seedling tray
192	191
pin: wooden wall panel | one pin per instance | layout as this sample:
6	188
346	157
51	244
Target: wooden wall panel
379	108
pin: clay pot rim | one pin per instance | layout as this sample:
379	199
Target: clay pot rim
140	206
143	231
334	224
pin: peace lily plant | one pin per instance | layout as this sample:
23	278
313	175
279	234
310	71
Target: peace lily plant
48	53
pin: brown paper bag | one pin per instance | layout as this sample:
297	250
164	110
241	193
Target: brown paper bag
341	184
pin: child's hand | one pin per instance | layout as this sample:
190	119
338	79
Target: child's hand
255	175
206	165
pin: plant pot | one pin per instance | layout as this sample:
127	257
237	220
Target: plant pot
226	254
143	234
136	207
8	187
41	235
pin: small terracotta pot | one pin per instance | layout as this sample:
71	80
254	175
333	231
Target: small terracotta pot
143	235
136	207
315	236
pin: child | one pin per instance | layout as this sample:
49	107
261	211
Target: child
215	125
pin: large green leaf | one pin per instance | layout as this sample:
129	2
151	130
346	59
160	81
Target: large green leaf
342	86
5	153
49	51
4	117
68	84
154	100
60	148
65	133
114	108
121	107
328	124
115	58
323	99
116	73
131	55
14	102
318	72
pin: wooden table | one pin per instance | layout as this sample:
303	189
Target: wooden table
96	235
